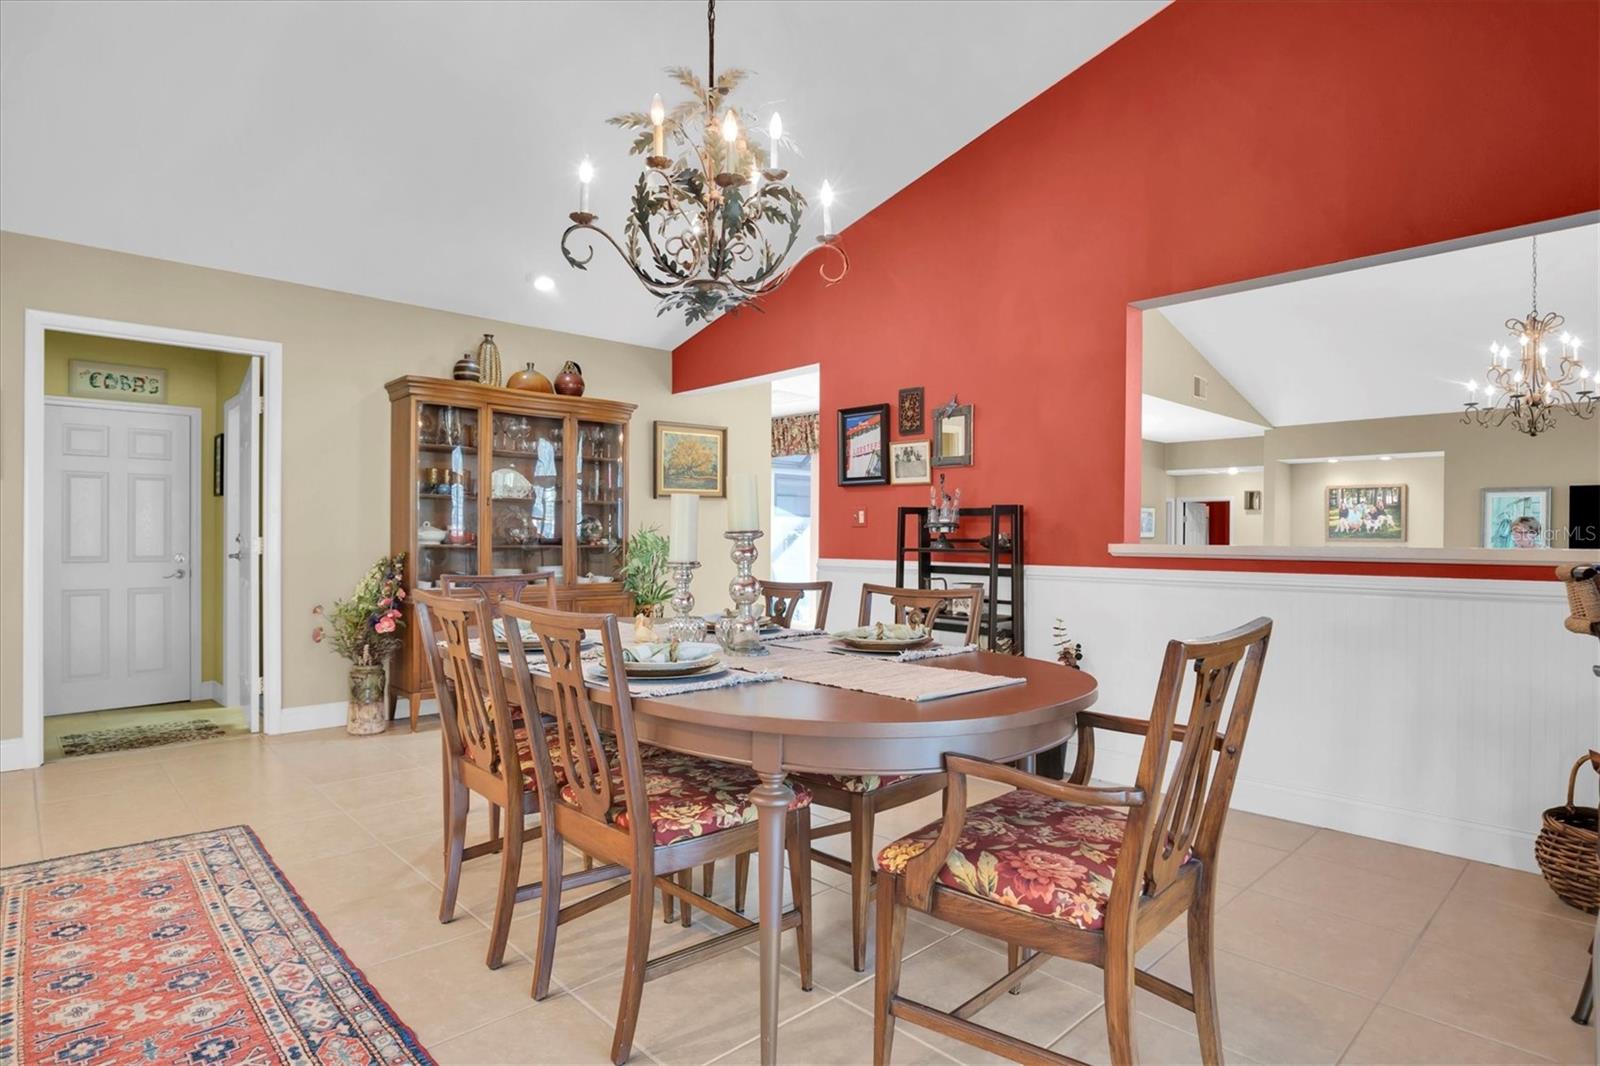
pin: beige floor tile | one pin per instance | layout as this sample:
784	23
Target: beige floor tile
414	817
333	880
832	970
1382	857
1392	1036
1396	903
74	839
18	785
1528	1009
18	846
328	834
1517	888
594	947
1267	1014
697	1014
953	970
1342	952
1494	931
556	1032
375	929
446	990
70	785
419	784
1269	832
1156	1041
835	1034
1241	863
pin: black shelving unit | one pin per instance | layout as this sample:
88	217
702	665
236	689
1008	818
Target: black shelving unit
962	557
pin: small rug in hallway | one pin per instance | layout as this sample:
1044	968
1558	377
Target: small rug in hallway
126	738
190	949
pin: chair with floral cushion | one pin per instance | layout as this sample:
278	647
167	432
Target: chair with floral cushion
864	795
1090	873
479	727
653	812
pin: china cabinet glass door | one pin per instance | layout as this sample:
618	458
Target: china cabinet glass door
447	492
525	494
598	471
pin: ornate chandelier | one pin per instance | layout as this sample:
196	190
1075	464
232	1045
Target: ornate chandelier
709	228
1521	386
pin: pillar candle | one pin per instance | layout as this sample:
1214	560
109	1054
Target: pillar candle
685	545
744	503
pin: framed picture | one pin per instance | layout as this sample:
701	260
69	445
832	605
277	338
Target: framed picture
1252	501
1516	518
217	487
909	462
1147	523
690	459
952	436
910	411
110	381
1366	513
863	445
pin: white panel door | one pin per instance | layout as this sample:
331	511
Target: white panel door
118	620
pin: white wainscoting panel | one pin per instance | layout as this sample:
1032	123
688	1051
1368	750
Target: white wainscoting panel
1442	713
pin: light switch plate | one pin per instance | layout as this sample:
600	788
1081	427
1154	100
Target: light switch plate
858	517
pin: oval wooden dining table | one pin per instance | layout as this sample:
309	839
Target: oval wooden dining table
780	727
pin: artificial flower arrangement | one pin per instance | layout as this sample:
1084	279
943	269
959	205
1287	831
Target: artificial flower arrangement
366	627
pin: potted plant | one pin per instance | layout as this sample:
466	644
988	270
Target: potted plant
366	629
644	570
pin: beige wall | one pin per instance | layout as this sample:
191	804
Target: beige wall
1171	364
1242	528
1424	480
1155	487
338	352
195	378
1201	454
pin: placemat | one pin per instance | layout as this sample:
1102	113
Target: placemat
640	688
876	675
823	642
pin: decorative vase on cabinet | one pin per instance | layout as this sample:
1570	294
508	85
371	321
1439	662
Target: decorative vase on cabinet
488	360
570	381
530	380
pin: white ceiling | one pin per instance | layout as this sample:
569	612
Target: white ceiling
427	152
1168	423
797	394
1398	339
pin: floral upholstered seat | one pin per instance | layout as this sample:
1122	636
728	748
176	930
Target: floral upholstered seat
690	796
1030	852
525	753
857	782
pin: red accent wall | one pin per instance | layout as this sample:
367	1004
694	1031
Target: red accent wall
1219	141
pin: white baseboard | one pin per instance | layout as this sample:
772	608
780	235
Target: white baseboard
14	755
329	715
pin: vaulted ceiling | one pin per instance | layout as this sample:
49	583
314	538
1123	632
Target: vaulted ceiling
427	152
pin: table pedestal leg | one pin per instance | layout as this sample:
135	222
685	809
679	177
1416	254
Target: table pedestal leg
772	798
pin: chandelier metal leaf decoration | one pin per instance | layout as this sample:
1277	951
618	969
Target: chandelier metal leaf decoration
1521	388
710	228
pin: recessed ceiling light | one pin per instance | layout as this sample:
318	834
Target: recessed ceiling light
1333	460
1384	458
1232	470
545	283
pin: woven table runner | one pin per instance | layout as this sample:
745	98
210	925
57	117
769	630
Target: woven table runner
825	643
878	676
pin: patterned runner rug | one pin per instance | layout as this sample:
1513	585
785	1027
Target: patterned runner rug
191	949
95	741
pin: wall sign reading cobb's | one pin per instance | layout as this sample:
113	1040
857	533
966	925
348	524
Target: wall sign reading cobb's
110	381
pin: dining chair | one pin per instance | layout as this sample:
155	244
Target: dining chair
504	586
1084	872
784	597
862	796
651	812
486	752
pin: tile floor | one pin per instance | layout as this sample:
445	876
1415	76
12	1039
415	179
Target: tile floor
1332	947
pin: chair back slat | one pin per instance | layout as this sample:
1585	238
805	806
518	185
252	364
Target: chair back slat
473	708
1185	812
922	607
579	755
784	597
518	588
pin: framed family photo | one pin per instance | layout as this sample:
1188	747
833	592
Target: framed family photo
1516	518
690	459
864	445
910	462
1358	513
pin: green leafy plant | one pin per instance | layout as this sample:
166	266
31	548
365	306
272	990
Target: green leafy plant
366	628
644	568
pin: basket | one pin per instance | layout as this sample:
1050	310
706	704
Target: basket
1568	847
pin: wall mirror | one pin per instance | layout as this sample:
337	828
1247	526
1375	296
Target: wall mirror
1329	409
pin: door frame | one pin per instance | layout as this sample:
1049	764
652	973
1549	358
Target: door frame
197	684
1174	528
35	325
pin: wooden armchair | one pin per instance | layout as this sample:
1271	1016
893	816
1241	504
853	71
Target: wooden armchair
1056	846
783	597
651	813
922	607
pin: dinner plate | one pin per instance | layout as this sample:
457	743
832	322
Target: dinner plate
884	647
694	658
702	672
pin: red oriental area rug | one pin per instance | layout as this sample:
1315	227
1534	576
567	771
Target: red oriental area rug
192	949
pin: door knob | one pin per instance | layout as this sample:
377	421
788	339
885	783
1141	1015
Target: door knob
178	572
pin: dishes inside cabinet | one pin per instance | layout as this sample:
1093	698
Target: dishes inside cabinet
509	484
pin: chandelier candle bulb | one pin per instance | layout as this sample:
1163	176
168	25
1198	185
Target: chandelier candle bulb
730	142
585	176
685	543
775	132
826	196
743	503
658	116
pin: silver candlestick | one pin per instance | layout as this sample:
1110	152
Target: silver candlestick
740	632
683	626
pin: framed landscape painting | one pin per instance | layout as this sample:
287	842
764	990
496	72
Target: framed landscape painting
1366	513
864	445
1516	518
690	459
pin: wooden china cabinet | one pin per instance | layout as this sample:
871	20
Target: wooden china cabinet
490	480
